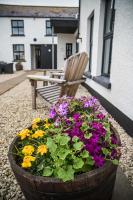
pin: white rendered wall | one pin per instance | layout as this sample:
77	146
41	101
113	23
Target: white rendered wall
33	28
61	48
121	77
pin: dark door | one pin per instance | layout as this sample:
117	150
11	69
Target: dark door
46	56
38	56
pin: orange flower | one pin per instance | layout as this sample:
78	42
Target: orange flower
28	150
42	149
38	133
24	133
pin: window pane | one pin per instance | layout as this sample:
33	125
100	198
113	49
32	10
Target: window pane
48	24
16	47
106	55
21	55
14	23
16	56
15	31
108	16
49	31
68	49
20	23
21	31
21	47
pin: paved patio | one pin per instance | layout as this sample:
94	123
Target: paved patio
16	113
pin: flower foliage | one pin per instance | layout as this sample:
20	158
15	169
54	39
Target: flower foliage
76	138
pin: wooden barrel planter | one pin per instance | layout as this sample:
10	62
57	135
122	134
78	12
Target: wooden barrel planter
97	184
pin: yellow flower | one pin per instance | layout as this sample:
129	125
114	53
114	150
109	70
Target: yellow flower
36	120
28	150
34	126
38	133
24	133
47	124
26	164
27	161
29	158
42	149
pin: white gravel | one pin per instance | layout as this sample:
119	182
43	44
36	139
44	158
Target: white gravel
15	114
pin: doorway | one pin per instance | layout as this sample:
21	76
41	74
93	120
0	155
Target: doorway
41	56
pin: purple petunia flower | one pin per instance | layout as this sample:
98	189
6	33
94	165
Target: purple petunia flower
52	113
99	128
63	109
76	116
113	139
99	160
101	116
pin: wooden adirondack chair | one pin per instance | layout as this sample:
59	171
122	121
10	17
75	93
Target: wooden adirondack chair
73	76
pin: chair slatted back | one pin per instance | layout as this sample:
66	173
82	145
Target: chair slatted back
75	67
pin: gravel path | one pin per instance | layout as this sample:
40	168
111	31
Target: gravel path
16	114
5	77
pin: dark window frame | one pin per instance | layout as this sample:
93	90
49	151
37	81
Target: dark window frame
19	52
108	36
91	21
48	28
69	51
18	27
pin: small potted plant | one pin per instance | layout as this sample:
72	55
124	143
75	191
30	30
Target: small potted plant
73	154
19	66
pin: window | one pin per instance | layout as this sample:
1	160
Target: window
68	49
18	52
91	40
108	37
17	27
48	28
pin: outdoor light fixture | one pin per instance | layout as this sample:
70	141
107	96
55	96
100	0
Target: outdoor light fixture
79	39
34	39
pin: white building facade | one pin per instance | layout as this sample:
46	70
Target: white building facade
26	36
106	33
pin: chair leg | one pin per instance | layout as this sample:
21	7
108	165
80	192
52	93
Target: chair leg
45	83
34	93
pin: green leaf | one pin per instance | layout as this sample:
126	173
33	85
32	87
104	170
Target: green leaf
105	151
62	153
115	162
88	135
90	161
67	174
78	146
84	154
47	171
57	138
75	139
78	163
40	166
51	145
59	163
107	136
64	140
84	127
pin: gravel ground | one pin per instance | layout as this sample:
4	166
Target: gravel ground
5	77
16	114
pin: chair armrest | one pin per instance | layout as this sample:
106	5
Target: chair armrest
45	78
58	73
75	82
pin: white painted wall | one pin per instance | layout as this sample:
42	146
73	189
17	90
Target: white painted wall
61	48
33	28
121	92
